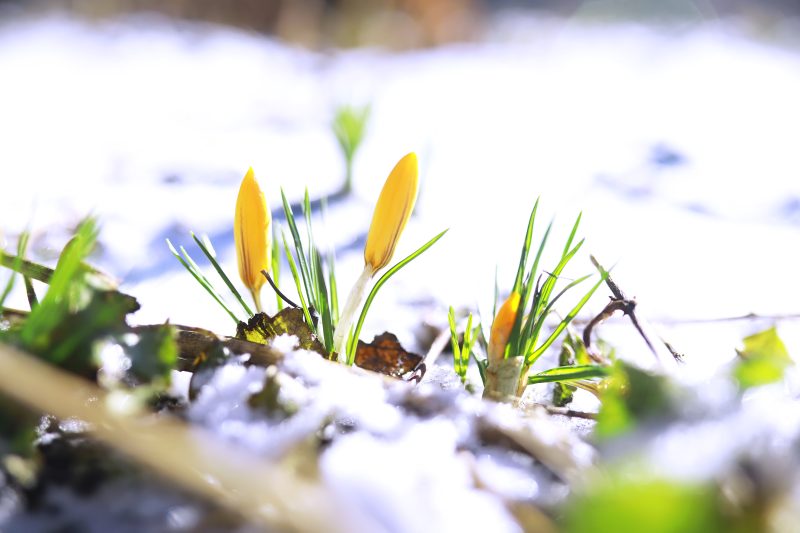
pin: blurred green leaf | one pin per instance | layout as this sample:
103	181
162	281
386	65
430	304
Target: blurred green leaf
153	354
639	504
631	396
763	359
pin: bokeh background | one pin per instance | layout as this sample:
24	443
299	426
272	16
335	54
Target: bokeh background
672	125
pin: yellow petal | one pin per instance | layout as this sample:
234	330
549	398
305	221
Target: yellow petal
394	206
501	327
251	232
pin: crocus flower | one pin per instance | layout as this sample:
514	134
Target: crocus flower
251	232
392	211
502	326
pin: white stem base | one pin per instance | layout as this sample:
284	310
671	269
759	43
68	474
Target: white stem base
354	300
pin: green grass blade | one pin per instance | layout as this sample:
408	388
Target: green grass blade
191	267
526	248
469	339
569	373
209	253
564	323
298	245
276	266
334	288
26	268
55	303
383	279
33	300
521	331
544	314
22	245
549	284
451	321
324	306
296	277
572	234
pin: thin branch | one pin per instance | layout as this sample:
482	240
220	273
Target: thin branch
619	302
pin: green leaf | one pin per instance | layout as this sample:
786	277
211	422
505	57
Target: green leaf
631	396
304	270
296	277
349	126
67	289
15	265
191	267
763	359
351	354
639	503
213	260
569	373
153	354
563	324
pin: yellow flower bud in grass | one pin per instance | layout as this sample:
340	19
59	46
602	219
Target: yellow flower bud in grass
392	212
251	232
395	203
501	327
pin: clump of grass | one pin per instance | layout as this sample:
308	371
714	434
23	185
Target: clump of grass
517	337
314	277
461	352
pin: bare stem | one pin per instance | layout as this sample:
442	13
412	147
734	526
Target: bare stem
354	300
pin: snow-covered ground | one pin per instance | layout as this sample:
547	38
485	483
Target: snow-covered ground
680	148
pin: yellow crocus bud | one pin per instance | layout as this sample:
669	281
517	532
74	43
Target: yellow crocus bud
395	203
501	327
392	211
251	232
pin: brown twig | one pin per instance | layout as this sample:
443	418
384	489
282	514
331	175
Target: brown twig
565	411
619	302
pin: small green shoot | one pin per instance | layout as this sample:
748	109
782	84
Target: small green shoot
353	339
349	125
461	353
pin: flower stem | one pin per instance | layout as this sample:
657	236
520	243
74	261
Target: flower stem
257	298
354	300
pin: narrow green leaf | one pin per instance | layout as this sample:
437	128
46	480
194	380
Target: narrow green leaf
296	277
298	245
22	245
192	269
564	323
276	266
526	247
383	279
213	260
55	304
572	234
569	373
451	321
